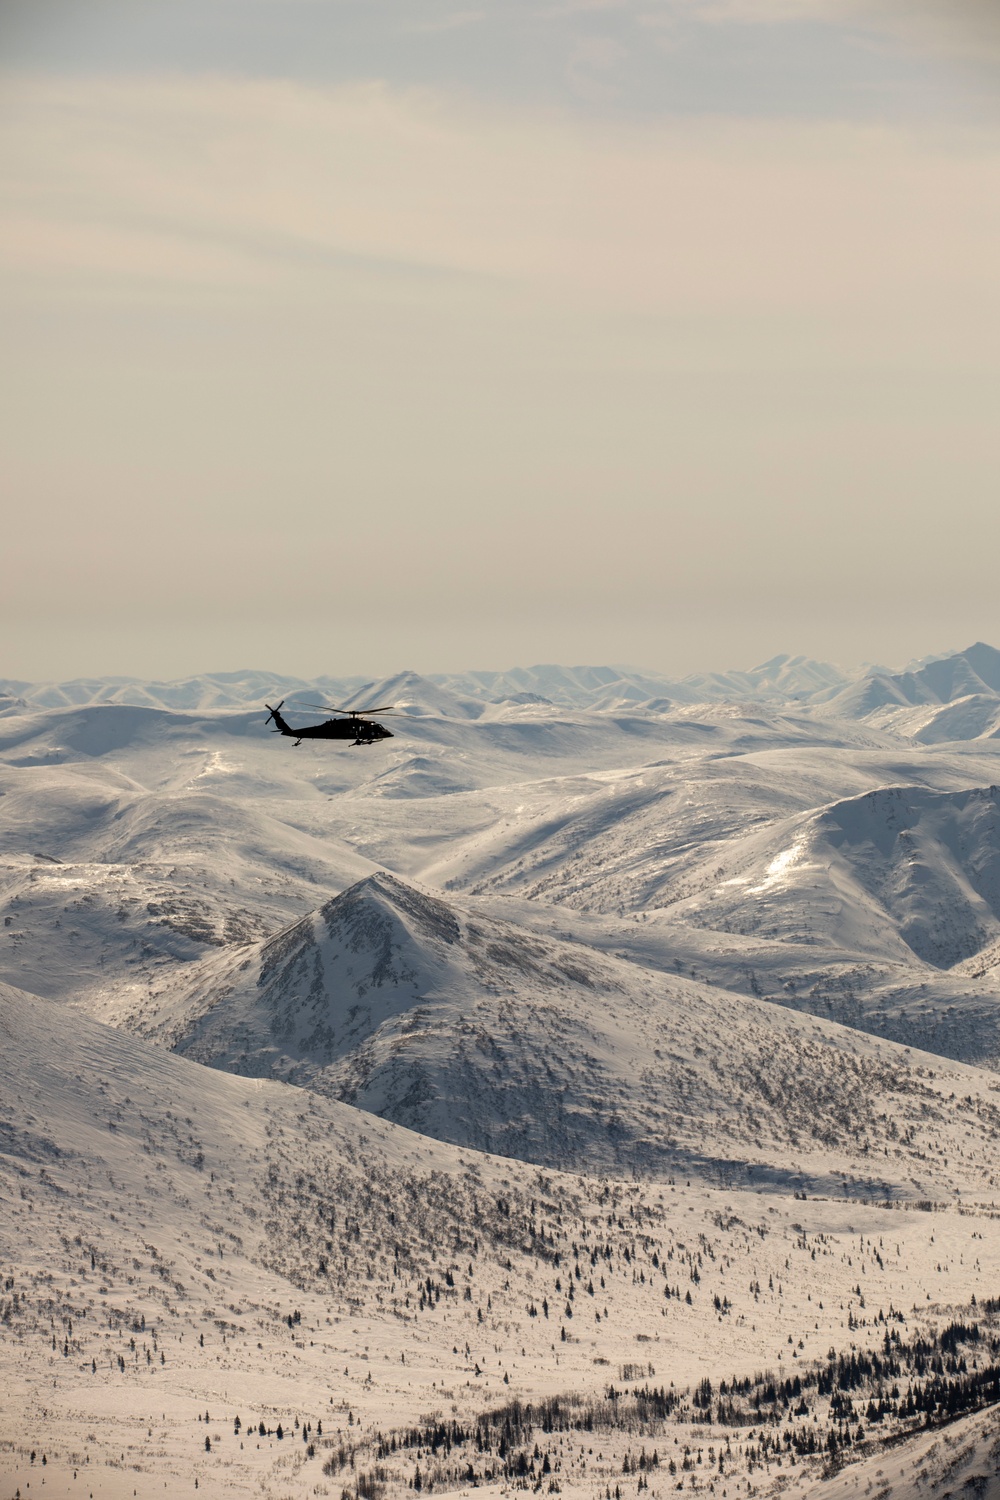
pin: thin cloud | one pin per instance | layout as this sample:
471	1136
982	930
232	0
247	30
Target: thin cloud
457	20
963	28
969	29
672	218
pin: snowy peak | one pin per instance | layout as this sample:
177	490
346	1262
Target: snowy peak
476	1032
985	662
971	674
386	897
326	984
460	695
965	820
365	955
463	695
364	966
782	679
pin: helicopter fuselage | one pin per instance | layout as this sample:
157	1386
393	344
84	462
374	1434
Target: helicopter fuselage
358	731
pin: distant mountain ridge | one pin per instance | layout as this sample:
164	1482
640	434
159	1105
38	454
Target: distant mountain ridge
974	673
784	679
454	694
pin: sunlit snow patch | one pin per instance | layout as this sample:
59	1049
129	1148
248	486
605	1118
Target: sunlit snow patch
214	765
780	867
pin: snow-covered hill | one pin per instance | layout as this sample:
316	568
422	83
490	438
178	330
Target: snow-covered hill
103	878
181	1248
208	692
130	837
686	939
732	848
926	862
949	698
467	1029
784	679
960	1459
134	840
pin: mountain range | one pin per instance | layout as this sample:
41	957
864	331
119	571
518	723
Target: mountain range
597	1036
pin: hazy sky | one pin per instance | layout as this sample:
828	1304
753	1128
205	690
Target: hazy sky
343	335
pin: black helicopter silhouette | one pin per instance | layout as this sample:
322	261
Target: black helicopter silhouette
355	725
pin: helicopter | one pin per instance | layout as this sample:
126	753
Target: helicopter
355	725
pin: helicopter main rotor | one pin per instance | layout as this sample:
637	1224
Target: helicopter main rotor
351	713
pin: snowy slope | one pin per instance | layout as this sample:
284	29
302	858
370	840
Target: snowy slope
180	1247
956	697
961	1459
463	1027
726	845
598	931
415	696
212	690
102	878
897	866
131	837
180	833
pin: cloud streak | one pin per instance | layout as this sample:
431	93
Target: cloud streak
969	29
638	57
261	178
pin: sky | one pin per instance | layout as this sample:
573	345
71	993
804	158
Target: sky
341	336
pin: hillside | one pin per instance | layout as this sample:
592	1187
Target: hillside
133	839
461	1026
863	909
897	866
492	1046
181	1248
134	842
104	878
950	698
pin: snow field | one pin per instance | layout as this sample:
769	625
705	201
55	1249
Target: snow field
555	1014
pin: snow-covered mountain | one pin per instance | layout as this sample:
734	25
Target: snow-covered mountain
891	872
134	840
949	698
409	693
728	950
469	1030
783	679
104	876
